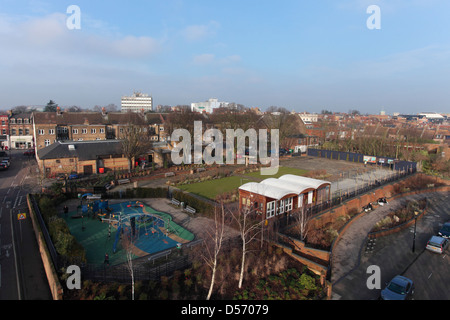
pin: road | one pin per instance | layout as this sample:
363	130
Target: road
22	275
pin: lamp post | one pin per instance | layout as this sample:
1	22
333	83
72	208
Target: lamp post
416	213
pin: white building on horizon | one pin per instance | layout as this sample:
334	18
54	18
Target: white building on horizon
138	102
431	115
207	106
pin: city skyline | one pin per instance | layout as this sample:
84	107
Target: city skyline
301	56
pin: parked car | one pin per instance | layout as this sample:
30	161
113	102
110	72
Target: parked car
29	152
61	177
6	162
73	176
3	166
437	244
399	288
445	230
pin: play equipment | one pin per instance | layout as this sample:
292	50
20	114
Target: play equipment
117	238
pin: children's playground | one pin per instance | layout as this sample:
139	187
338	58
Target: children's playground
115	229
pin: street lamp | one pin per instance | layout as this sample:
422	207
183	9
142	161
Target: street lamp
416	213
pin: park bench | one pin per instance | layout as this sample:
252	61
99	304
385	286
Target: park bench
123	181
170	174
175	202
190	210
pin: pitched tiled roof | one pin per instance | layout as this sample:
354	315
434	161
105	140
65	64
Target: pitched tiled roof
83	150
92	118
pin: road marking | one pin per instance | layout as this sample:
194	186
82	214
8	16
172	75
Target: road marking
430	275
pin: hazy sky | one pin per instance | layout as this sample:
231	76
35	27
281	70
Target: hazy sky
302	55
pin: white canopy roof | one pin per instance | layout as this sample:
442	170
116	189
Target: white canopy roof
283	186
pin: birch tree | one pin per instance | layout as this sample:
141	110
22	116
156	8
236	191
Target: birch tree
302	218
248	230
213	245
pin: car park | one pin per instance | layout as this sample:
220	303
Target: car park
445	231
399	288
437	244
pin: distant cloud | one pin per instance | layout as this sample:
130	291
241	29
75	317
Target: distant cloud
50	33
203	59
200	32
211	59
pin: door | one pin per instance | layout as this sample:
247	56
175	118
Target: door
87	170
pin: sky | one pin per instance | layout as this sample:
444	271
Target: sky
301	55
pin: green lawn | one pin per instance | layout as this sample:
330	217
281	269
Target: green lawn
281	171
210	189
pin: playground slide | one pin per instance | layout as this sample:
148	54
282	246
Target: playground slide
117	238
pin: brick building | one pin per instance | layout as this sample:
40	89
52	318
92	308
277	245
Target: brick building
50	127
82	157
4	131
278	197
21	131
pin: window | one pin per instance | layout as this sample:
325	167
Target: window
270	212
102	130
20	132
27	131
93	130
300	200
47	143
41	132
51	131
13	132
75	131
310	197
4	131
13	120
83	131
26	121
19	121
288	204
280	207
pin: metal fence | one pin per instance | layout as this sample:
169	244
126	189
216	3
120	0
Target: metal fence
397	165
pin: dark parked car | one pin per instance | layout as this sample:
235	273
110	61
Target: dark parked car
73	176
445	230
399	288
29	152
3	166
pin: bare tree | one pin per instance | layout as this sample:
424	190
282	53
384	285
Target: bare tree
213	245
135	143
249	228
129	255
302	218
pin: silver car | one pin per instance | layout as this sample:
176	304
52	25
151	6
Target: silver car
437	244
